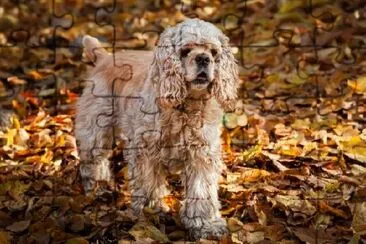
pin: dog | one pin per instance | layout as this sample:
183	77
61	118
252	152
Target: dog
166	106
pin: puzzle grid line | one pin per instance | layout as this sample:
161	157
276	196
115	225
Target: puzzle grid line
315	46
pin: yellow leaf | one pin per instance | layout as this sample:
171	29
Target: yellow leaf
234	225
251	153
352	141
254	175
35	75
289	150
16	123
354	148
10	136
296	80
60	141
47	156
358	85
301	124
332	186
227	211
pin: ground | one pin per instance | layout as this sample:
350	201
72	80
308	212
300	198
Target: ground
294	149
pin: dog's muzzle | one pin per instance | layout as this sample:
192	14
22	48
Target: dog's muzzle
201	79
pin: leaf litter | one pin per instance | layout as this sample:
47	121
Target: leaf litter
295	165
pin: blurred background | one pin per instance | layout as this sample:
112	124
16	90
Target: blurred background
294	149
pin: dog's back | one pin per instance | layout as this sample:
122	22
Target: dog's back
123	72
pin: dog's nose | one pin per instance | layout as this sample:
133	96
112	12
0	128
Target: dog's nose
202	60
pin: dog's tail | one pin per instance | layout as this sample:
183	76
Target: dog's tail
93	50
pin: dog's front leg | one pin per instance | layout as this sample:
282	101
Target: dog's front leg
200	211
146	181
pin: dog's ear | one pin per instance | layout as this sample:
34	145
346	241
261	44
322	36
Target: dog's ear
166	71
93	50
227	77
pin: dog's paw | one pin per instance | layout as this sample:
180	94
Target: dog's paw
212	229
89	184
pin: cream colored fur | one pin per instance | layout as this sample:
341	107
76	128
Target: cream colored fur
168	123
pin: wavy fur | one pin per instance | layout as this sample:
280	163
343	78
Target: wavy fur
165	125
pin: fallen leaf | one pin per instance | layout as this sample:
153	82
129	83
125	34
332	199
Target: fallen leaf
254	175
231	120
143	230
19	226
177	235
5	237
18	188
295	204
359	217
77	223
77	240
16	81
234	225
324	207
358	85
251	153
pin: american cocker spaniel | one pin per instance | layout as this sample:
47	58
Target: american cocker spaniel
166	107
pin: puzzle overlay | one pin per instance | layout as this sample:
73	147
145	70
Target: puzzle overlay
294	148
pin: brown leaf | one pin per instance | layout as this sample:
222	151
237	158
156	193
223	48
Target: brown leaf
275	232
177	235
295	204
5	237
143	230
254	175
19	226
234	225
18	189
5	219
359	217
77	223
77	240
324	207
309	235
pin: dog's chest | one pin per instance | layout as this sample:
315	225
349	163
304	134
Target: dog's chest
183	136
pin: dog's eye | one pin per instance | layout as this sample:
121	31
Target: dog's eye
184	52
213	52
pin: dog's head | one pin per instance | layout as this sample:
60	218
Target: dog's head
194	58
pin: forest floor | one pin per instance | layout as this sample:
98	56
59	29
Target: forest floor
294	149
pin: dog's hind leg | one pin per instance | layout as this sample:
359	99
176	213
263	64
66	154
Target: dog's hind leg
94	134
